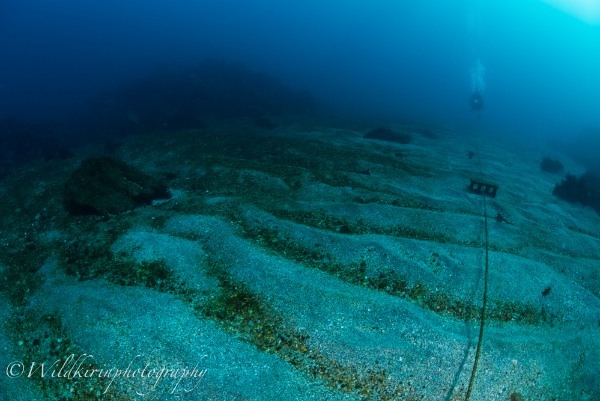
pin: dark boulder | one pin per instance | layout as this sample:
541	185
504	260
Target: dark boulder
102	186
550	165
584	189
386	134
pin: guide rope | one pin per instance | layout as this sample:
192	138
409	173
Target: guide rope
485	292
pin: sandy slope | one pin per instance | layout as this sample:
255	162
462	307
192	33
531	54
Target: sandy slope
308	263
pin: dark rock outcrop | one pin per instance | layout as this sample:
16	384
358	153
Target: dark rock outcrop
386	134
584	189
550	165
102	186
184	100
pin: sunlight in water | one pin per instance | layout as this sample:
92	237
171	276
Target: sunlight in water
585	10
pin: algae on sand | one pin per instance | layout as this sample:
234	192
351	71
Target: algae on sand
312	264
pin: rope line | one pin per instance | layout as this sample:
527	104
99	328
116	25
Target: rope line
485	291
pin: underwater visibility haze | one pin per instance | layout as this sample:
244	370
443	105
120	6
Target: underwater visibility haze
389	58
300	200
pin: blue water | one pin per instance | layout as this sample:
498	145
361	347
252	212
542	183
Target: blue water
385	58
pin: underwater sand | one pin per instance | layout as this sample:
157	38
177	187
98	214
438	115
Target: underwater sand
305	263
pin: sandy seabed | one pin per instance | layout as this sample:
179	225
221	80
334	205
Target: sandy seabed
302	263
